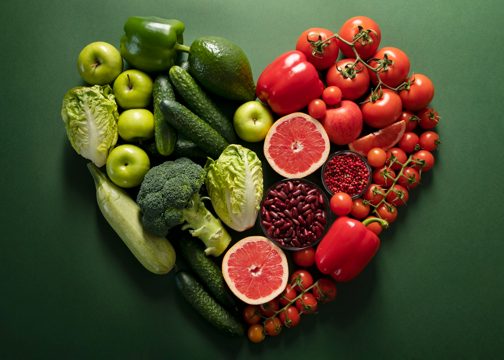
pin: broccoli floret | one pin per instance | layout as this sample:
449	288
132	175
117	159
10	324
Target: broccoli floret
169	196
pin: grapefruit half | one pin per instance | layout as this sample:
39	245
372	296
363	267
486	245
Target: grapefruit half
255	270
384	138
296	145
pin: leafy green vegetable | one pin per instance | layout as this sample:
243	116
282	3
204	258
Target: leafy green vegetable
235	186
90	116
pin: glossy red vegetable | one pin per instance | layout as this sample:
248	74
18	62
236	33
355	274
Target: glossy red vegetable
347	248
289	83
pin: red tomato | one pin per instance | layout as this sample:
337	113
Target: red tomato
360	209
411	120
344	123
428	118
374	194
341	204
268	309
409	142
374	226
301	280
351	78
317	108
376	157
387	212
307	304
256	333
396	157
325	290
426	158
398	195
272	326
410	178
321	53
393	66
290	317
429	140
332	95
304	257
287	295
384	177
251	314
370	37
382	109
418	93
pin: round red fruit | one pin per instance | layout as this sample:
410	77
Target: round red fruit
374	194
411	120
360	209
424	160
272	326
396	157
317	109
366	31
304	258
382	108
398	195
428	118
256	333
350	77
332	95
418	93
376	157
429	140
387	212
319	47
270	308
341	203
287	296
384	177
251	314
307	303
392	64
344	123
410	178
290	317
301	280
325	290
409	142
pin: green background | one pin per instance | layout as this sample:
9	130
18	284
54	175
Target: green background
70	288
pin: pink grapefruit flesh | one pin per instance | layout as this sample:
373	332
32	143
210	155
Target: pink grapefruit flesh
296	145
384	138
255	270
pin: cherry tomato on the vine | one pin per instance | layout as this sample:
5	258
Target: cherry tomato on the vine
426	158
409	142
393	66
396	157
410	178
369	36
307	303
374	226
332	95
398	195
376	157
428	118
418	94
374	194
256	333
384	177
352	78
429	140
360	209
411	120
301	280
287	295
290	317
305	257
317	108
387	212
325	290
268	309
272	326
251	314
341	203
318	50
382	108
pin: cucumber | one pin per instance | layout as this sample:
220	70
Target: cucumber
193	128
206	306
207	271
187	148
200	103
165	135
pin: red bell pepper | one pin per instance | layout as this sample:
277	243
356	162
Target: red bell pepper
289	83
347	248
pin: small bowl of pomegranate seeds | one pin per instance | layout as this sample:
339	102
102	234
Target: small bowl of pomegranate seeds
294	213
346	171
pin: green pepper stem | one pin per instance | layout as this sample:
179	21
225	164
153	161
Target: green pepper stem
182	47
384	224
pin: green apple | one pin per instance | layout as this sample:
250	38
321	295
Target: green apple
127	165
136	125
133	89
252	120
99	63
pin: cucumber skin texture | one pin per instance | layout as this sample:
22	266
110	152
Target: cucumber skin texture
206	306
200	103
193	128
207	271
122	213
187	148
165	135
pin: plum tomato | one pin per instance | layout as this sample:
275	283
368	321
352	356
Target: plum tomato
384	177
304	258
368	33
332	95
409	142
288	295
317	109
272	326
425	158
398	195
290	317
374	194
428	118
270	308
396	157
324	290
387	212
374	226
381	109
256	333
360	209
341	204
429	140
392	64
376	157
411	120
352	78
410	178
418	93
301	280
251	314
307	303
319	46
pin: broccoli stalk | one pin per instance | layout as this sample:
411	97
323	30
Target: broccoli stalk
169	196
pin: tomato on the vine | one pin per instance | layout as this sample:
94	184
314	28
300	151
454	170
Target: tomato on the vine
393	66
341	203
387	212
304	257
411	120
374	194
398	195
318	50
301	280
376	157
332	95
272	326
256	333
360	209
418	93
270	308
307	303
290	317
369	34
382	108
428	118
410	178
287	295
396	157
325	290
426	158
317	108
429	140
352	78
409	142
384	176
251	314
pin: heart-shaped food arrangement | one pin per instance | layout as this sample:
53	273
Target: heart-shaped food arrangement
174	174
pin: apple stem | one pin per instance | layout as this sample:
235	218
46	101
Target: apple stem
182	47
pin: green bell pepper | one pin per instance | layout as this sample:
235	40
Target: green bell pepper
151	43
